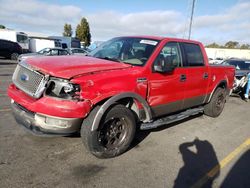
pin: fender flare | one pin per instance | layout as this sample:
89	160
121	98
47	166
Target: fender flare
116	98
211	94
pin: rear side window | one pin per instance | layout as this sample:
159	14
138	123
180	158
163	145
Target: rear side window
193	54
6	44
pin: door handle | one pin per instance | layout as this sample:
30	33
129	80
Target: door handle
205	75
183	78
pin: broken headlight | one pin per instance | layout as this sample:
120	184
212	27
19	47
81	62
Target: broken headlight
63	89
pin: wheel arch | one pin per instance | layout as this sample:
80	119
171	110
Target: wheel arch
222	84
122	98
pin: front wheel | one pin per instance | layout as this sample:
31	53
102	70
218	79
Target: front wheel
114	135
217	103
14	56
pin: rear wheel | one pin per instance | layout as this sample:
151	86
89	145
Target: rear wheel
217	103
114	135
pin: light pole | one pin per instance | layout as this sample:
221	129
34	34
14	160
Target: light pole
191	20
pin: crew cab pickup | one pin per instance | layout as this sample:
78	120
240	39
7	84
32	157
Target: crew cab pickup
126	83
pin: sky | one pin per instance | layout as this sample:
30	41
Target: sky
214	20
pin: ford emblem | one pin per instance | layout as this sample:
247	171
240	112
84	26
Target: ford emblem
24	77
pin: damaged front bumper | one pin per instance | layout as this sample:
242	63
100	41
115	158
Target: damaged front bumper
41	124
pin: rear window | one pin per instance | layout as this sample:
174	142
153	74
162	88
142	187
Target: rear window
193	54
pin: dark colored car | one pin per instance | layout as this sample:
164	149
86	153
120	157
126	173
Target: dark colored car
9	49
44	52
242	66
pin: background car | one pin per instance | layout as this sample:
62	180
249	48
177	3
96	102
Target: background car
211	60
9	49
45	52
218	60
242	66
77	51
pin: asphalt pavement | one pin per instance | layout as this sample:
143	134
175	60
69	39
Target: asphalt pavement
197	152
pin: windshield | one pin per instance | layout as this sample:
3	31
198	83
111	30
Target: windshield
135	51
239	65
22	38
43	51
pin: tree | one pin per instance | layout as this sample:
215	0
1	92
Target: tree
67	30
213	45
245	46
231	44
2	26
83	32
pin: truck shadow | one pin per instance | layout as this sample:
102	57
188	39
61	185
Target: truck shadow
239	175
201	166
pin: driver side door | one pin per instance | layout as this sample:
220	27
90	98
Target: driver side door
166	90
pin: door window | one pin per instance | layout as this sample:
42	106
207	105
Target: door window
170	53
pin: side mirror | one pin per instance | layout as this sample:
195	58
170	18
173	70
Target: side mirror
159	68
163	65
169	67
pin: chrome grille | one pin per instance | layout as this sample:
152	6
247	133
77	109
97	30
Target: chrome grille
29	81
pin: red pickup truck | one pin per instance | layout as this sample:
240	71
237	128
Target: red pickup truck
127	82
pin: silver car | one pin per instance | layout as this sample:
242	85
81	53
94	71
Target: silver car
44	52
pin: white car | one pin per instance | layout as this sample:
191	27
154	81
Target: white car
77	51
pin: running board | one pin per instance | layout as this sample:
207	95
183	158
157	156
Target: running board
171	118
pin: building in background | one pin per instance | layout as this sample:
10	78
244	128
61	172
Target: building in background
223	53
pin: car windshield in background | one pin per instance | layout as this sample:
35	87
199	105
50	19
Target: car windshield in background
131	50
43	51
239	65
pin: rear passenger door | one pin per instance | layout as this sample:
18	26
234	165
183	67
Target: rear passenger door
197	75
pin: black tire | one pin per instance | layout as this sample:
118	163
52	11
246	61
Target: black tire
14	56
114	135
216	104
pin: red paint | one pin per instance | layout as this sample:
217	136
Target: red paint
49	105
72	66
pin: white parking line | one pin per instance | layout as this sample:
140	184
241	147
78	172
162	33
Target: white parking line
5	110
222	164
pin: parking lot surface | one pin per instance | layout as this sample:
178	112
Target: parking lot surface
197	152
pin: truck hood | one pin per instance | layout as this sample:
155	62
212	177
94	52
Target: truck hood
72	66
